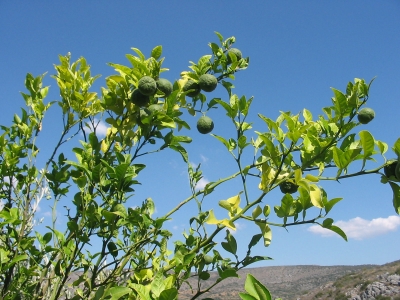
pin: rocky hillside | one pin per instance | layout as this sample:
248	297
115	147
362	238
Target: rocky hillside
287	282
378	282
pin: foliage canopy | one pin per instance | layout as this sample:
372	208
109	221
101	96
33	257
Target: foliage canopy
144	114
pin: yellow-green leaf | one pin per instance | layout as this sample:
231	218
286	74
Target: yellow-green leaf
316	196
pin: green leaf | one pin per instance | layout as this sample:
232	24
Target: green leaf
169	294
315	196
256	288
230	245
158	285
396	196
331	203
156	52
182	151
367	144
220	37
254	240
222	140
138	52
396	147
117	292
266	233
227	273
340	101
246	296
47	237
204	275
141	290
328	224
18	258
256	212
230	112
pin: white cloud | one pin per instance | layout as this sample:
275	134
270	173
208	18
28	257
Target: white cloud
47	214
203	158
360	229
202	183
239	226
101	128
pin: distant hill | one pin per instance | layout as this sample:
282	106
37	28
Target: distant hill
306	282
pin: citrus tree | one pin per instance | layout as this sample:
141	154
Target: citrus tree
138	258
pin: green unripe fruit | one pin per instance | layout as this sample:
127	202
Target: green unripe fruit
112	248
155	107
192	85
235	51
147	86
288	187
208	259
164	86
208	82
390	168
139	99
205	125
365	115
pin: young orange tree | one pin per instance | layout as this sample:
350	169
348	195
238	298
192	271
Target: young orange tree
145	113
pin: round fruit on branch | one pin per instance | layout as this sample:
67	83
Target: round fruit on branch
235	51
390	168
208	82
192	85
288	187
147	86
139	99
165	86
205	125
365	115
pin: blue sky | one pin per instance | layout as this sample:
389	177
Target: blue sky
297	50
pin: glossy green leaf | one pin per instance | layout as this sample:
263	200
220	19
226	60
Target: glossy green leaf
118	291
254	240
340	101
256	212
169	294
396	147
156	52
328	224
367	144
256	288
396	196
246	296
230	245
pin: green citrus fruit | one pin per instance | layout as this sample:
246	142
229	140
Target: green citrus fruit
288	187
208	259
155	107
147	86
235	51
205	125
208	82
112	248
191	85
365	115
139	99
165	86
390	168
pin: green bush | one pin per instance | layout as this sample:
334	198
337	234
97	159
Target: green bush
94	179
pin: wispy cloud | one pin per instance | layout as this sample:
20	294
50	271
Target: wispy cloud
239	226
202	183
203	158
359	228
101	128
